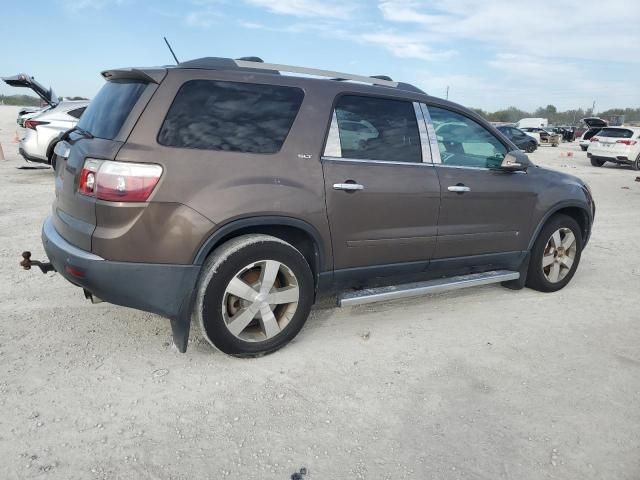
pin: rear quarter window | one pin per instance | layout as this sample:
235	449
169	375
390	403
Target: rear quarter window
230	116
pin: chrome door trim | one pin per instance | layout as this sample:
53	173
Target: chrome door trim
433	139
458	188
424	136
329	158
348	186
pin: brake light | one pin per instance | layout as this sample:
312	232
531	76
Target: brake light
118	181
87	181
627	141
594	139
32	124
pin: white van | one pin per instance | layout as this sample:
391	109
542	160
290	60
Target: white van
532	123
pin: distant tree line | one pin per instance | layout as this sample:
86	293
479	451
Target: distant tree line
568	117
27	100
21	100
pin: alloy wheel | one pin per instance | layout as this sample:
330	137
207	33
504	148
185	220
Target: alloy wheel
260	300
559	255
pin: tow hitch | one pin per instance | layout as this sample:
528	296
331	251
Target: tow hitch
27	263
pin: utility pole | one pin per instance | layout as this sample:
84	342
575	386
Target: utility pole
593	108
447	92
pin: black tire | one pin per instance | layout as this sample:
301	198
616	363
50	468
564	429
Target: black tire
636	165
596	162
536	278
52	158
212	295
584	149
531	147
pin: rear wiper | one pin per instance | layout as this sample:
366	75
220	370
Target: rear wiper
84	132
81	131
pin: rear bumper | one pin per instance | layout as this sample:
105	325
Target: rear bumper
30	158
621	159
152	287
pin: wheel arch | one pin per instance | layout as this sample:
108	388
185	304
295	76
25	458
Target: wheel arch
298	233
577	211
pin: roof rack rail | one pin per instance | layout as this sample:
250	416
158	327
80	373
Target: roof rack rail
315	72
256	64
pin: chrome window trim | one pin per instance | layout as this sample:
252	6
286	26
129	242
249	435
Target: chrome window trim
425	148
497	170
330	158
333	147
433	139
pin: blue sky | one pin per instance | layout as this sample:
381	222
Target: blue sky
491	53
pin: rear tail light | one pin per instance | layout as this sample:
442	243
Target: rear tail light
118	181
627	141
32	124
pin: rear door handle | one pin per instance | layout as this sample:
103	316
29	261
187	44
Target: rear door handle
351	187
459	188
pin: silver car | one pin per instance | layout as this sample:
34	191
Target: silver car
45	126
43	131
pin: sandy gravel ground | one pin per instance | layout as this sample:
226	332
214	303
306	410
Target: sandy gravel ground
486	383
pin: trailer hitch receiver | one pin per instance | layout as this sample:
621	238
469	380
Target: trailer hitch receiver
27	263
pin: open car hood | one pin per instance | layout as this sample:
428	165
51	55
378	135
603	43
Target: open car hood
595	122
24	80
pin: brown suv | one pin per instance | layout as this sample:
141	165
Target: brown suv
222	190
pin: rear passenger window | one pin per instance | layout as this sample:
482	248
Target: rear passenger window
377	129
230	116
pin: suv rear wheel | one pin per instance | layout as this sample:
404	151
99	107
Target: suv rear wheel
555	254
254	295
597	162
636	164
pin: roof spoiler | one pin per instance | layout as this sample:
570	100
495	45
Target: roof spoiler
149	75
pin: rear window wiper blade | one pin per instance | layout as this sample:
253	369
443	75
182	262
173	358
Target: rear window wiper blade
81	131
84	132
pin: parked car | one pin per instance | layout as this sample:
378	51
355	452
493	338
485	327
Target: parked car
594	125
222	189
43	131
522	140
619	145
544	137
47	95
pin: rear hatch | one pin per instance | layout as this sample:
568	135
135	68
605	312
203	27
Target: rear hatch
25	81
613	142
100	133
593	122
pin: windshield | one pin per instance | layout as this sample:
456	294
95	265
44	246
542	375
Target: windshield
107	112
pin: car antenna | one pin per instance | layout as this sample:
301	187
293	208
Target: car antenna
171	50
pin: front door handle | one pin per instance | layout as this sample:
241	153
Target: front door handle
350	187
459	188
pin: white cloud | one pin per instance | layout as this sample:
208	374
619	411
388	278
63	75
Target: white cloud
307	8
546	28
79	5
404	46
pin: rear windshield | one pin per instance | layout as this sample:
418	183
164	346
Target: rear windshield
231	116
615	133
106	113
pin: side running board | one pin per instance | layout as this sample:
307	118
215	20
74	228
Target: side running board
380	294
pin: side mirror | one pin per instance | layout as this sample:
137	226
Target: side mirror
515	162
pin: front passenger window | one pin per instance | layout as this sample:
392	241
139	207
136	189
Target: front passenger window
465	143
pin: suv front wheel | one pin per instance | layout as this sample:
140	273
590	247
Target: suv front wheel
555	254
254	295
